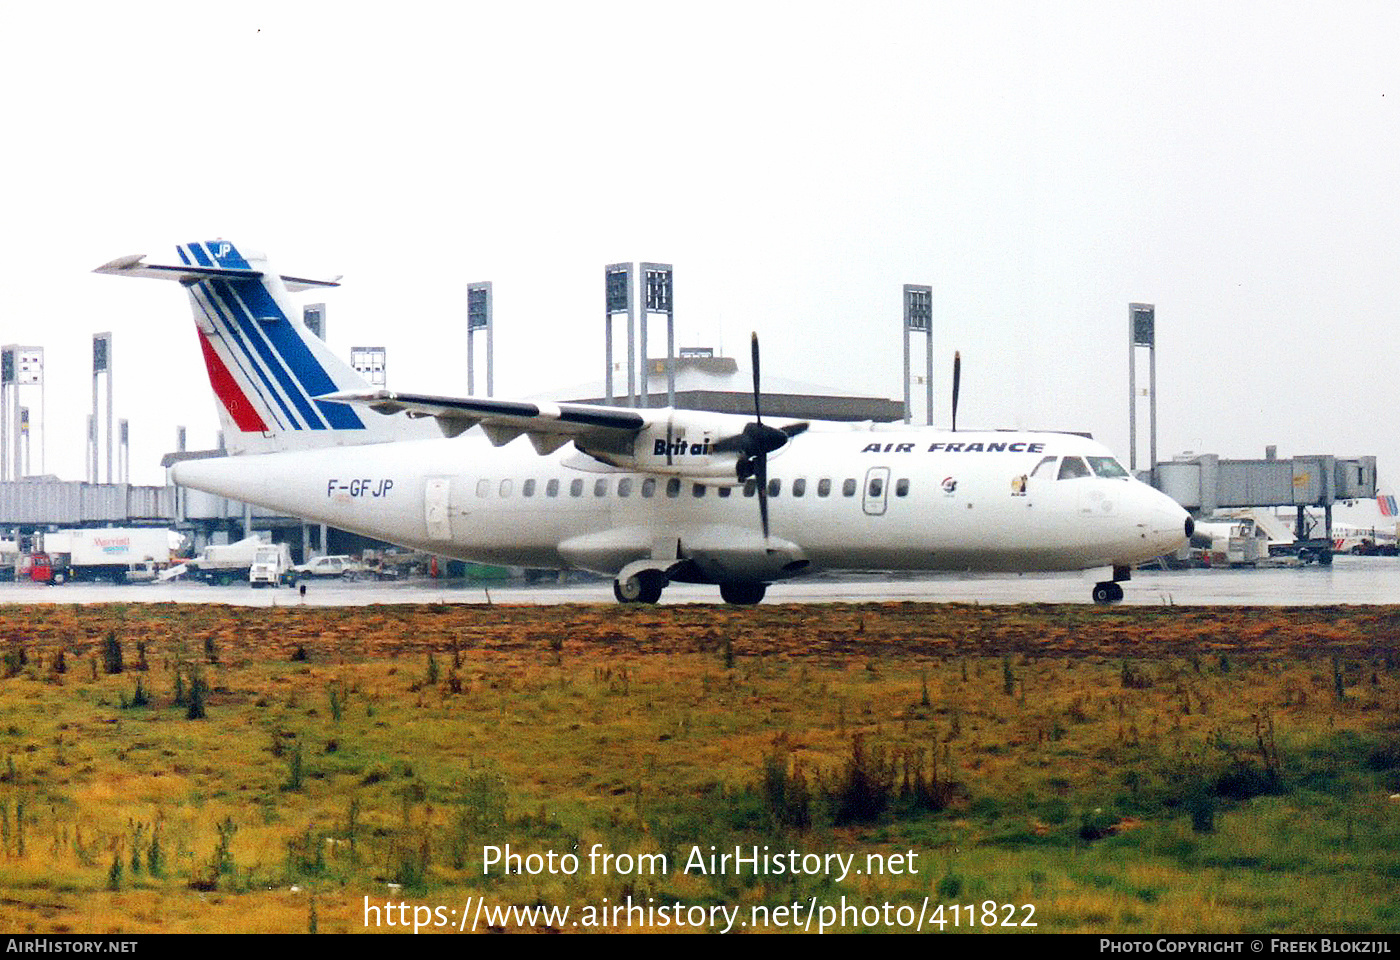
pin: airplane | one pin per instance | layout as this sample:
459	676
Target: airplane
648	496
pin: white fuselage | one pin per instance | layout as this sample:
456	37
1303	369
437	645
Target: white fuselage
881	499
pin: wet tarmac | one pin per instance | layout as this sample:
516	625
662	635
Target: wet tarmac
1349	580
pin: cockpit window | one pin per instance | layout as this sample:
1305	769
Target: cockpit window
1045	468
1107	467
1072	468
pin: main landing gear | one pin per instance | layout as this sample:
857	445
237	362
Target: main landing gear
1108	591
744	594
645	586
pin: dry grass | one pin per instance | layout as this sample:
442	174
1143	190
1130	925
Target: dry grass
1081	742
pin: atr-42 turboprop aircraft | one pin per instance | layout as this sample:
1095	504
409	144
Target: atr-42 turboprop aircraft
647	496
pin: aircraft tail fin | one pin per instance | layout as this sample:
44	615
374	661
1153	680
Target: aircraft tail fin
265	367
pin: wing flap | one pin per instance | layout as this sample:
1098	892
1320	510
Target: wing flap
549	425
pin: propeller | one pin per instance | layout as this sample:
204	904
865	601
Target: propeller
755	442
957	378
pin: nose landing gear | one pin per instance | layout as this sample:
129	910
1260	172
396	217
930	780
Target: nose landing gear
1108	591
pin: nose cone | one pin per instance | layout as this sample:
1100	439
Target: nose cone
1167	525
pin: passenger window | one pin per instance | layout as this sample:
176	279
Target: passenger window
698	490
673	487
624	487
775	487
877	486
1072	468
528	489
600	488
1045	468
506	486
483	488
799	487
750	487
848	487
575	488
824	487
725	491
648	486
551	489
901	487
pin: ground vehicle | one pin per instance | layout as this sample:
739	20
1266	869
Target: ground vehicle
250	560
322	568
120	554
1231	541
222	563
271	561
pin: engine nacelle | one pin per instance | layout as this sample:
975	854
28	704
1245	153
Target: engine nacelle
678	447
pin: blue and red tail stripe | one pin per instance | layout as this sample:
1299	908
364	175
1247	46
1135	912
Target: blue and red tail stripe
245	415
243	357
250	319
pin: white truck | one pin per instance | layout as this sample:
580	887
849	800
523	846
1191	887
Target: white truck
271	561
120	554
244	561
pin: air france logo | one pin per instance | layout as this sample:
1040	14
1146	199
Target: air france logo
992	446
949	485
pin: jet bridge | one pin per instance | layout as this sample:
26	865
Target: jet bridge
1206	483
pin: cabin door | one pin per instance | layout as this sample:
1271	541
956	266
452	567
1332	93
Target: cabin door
877	490
437	508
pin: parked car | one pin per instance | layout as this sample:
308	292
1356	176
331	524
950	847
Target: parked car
321	568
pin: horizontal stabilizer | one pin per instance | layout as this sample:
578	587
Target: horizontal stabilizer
135	266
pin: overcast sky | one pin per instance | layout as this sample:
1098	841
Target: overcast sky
1040	164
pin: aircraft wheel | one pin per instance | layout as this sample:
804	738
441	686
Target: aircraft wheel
643	587
744	594
1107	592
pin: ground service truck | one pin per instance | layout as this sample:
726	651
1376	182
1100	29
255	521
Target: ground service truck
250	560
118	554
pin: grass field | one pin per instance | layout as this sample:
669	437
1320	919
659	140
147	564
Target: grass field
1127	770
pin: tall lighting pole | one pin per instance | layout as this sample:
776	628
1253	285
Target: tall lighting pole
479	317
918	318
617	299
1142	324
657	296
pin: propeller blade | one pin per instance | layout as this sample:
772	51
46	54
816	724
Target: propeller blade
793	429
730	444
761	476
756	438
957	378
757	412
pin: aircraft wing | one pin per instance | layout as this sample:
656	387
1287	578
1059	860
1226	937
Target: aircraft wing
549	425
